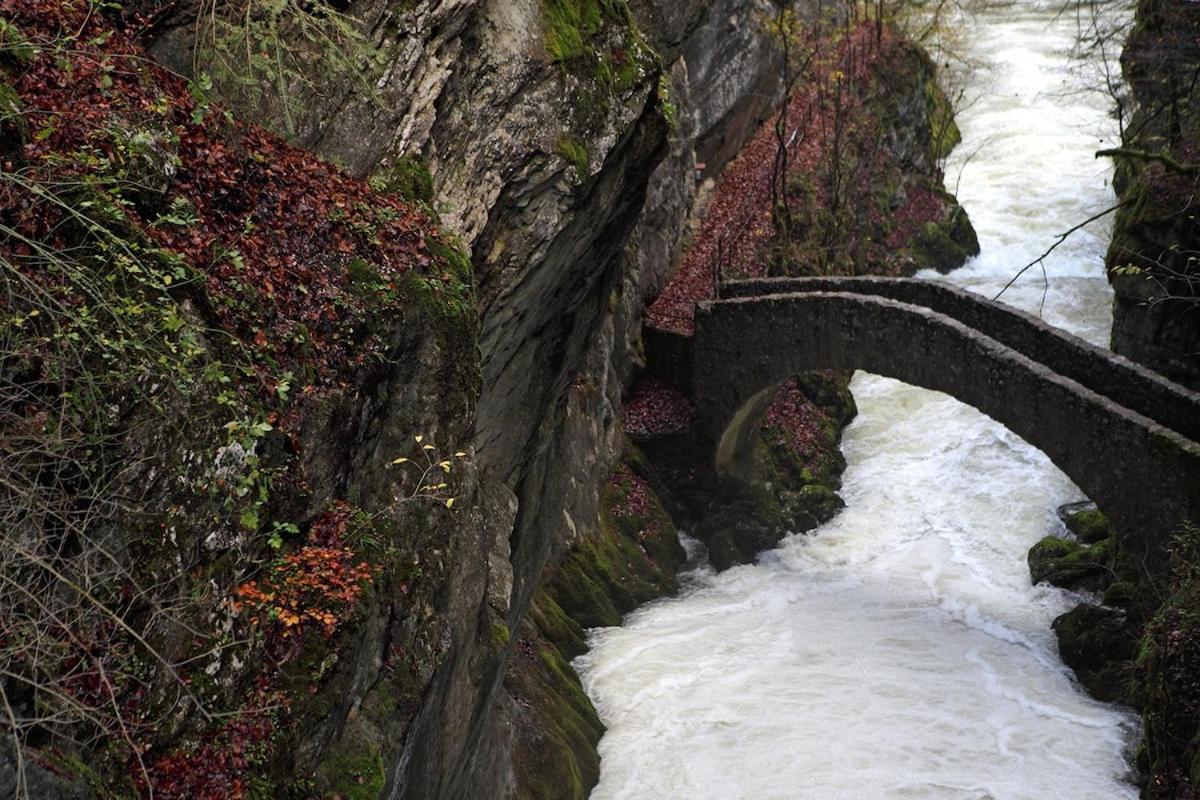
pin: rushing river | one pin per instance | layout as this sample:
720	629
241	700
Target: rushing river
900	650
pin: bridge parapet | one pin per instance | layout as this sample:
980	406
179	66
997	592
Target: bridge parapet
1116	377
1144	475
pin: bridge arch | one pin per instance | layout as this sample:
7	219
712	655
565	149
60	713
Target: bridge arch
1143	474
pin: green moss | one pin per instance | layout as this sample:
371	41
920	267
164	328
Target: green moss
934	248
1089	527
556	625
449	298
354	770
555	758
408	178
576	154
1071	564
629	559
500	634
570	26
599	41
944	132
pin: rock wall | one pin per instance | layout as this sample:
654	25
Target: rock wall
1155	252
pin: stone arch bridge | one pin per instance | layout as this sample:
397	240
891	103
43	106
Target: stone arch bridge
1125	435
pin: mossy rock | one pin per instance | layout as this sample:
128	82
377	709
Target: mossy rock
575	153
629	559
961	231
1099	645
555	758
1088	526
934	248
557	626
831	393
813	505
1070	564
944	132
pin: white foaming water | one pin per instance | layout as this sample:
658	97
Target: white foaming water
900	651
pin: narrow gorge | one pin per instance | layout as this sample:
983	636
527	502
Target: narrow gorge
352	399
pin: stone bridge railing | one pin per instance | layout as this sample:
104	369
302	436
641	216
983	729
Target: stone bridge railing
1125	436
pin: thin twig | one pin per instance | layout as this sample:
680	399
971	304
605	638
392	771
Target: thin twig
1062	237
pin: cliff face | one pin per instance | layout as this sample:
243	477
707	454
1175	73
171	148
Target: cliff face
560	140
1153	260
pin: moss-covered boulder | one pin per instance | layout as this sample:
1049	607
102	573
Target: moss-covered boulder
1087	524
944	245
811	506
1099	645
1070	564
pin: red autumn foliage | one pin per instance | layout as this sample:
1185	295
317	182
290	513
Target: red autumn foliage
738	228
313	588
654	409
798	421
276	231
218	767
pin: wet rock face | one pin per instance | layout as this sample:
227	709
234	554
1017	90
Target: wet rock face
1152	259
1097	643
734	68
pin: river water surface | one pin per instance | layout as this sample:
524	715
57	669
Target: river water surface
900	651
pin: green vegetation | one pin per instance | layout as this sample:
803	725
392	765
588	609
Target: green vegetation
599	41
1168	672
572	24
282	52
576	154
408	178
1090	527
944	132
185	296
1070	564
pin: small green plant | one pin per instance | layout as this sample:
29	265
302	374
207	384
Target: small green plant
433	482
285	49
